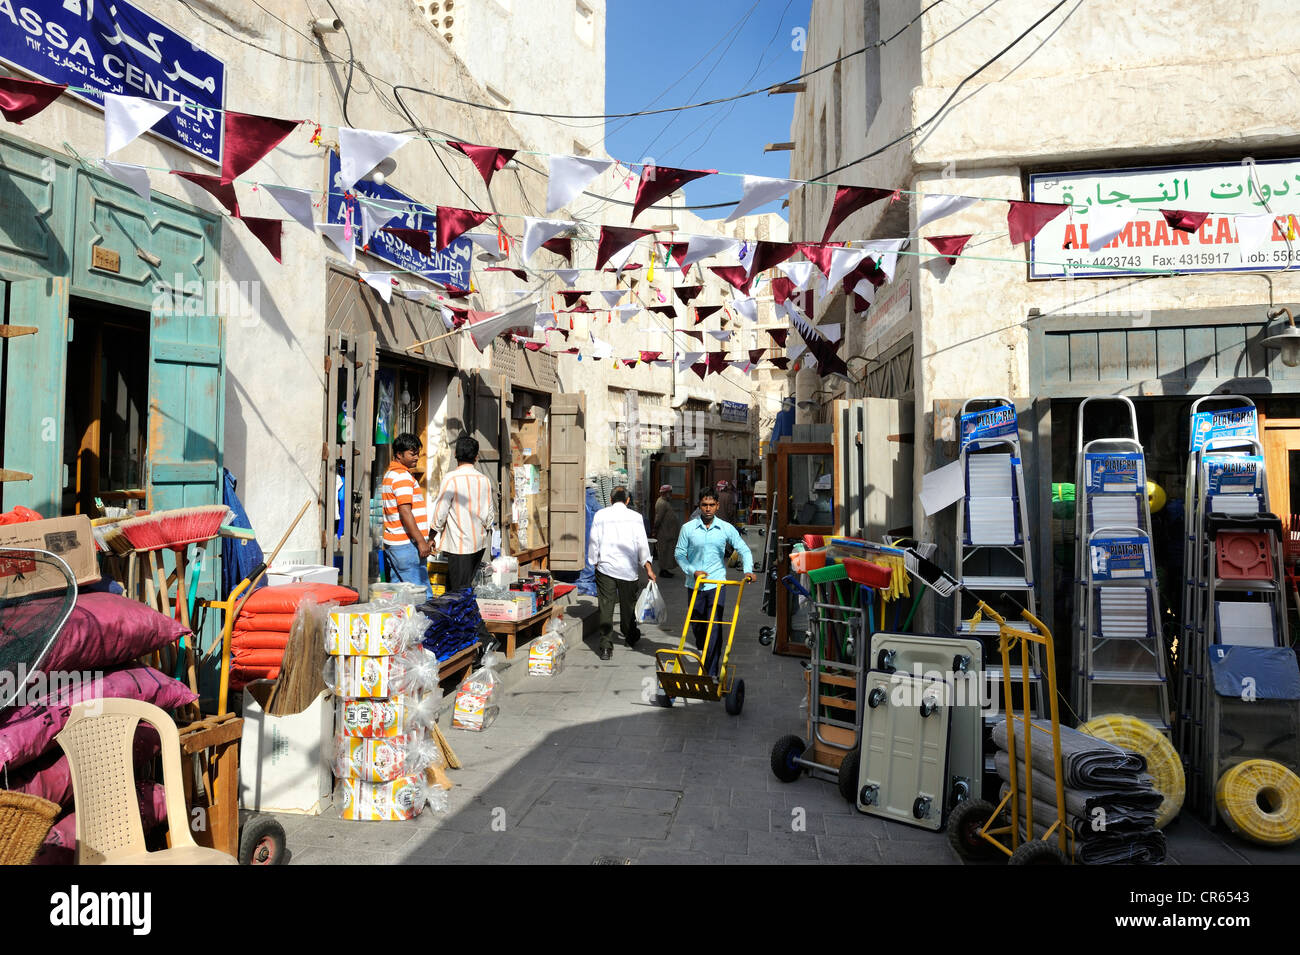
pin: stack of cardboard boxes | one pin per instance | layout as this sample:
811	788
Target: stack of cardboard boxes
529	487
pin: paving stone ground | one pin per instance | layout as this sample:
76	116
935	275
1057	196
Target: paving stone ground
581	767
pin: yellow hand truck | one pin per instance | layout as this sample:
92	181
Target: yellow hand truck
684	673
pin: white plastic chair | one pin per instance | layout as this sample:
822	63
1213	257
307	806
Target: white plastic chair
98	739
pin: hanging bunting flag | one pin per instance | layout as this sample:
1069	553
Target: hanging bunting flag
447	315
563	247
800	273
1182	220
669	310
935	206
819	253
455	292
689	358
832	333
418	294
485	326
374	216
567	276
520	274
296	202
848	200
702	246
1254	230
782	289
1104	224
622	257
581	308
134	177
418	239
888	258
704	311
486	159
222	189
650	355
782	363
563	331
867	271
1026	219
624	312
949	245
843	261
612	296
755	354
701	369
249	137
828	361
126	117
698	336
678	252
735	275
797	349
658	181
860	304
615	239
865	293
381	282
572	296
453	223
779	335
746	306
490	244
539	231
759	191
721	334
568	176
337	233
768	254
717	362
685	293
361	150
600	348
23	99
266	231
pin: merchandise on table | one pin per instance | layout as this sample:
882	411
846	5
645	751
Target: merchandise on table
454	623
396	716
374	629
384	760
516	606
403	798
370	677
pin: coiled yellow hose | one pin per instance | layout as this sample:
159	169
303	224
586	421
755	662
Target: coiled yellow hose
1166	769
1260	801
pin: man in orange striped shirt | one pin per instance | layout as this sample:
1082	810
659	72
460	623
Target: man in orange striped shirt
463	516
406	517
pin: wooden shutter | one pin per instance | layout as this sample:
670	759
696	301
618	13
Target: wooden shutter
568	503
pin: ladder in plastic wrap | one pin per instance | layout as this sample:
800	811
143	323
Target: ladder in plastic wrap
1120	664
1233	593
994	554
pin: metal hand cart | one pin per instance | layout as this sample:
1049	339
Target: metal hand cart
685	673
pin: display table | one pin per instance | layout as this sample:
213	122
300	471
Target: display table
457	665
519	631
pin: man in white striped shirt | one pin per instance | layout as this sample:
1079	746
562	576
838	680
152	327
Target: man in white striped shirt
463	516
617	549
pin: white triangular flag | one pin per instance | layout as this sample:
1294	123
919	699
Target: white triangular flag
935	206
519	292
489	243
865	289
1254	230
418	294
126	117
519	319
800	273
792	311
759	191
831	333
746	306
361	150
374	216
612	296
447	317
720	334
796	349
619	258
689	358
545	319
601	348
843	261
702	246
1106	222
335	232
624	312
888	259
296	202
538	231
131	175
567	276
568	176
381	282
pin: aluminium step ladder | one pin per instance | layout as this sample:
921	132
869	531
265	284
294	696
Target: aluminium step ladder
994	552
1119	655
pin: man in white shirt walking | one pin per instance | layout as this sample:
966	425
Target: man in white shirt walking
617	549
463	516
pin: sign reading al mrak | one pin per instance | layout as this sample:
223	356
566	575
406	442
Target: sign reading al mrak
108	46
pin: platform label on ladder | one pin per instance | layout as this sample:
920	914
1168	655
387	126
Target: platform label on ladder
1108	473
1120	558
992	423
1233	423
1234	475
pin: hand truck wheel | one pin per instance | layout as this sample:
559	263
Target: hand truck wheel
784	753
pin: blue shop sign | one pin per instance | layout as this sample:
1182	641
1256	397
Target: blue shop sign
449	266
734	411
108	46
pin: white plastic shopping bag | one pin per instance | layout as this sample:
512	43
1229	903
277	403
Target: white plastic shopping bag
650	607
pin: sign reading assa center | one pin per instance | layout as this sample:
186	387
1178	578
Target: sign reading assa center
108	46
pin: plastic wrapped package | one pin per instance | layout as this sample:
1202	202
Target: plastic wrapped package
505	571
359	677
384	760
375	629
386	718
546	655
650	606
394	801
477	705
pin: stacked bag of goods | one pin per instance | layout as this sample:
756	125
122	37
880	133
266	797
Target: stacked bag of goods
454	623
478	697
1110	801
383	755
261	632
91	659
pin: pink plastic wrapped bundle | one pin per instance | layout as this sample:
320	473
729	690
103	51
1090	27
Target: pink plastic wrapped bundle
379	719
356	677
384	760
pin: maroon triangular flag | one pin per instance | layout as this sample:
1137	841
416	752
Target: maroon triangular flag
453	223
630	267
486	159
267	232
687	292
614	239
819	253
520	274
755	354
222	189
532	345
1026	219
580	307
783	363
700	368
248	137
949	245
717	362
704	311
698	336
650	355
867	269
670	310
1182	220
418	239
768	254
459	316
736	275
848	200
23	99
860	304
572	296
658	181
454	291
677	250
562	331
561	246
779	335
782	289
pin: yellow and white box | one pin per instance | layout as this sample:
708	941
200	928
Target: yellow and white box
363	677
403	798
373	760
377	719
546	658
373	634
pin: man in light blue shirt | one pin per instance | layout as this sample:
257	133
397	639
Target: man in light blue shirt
701	552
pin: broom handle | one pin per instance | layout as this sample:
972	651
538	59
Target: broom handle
261	568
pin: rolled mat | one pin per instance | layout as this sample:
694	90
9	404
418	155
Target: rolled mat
1260	801
1086	761
1141	847
1128	808
1163	764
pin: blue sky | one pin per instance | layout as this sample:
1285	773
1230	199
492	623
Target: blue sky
703	49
